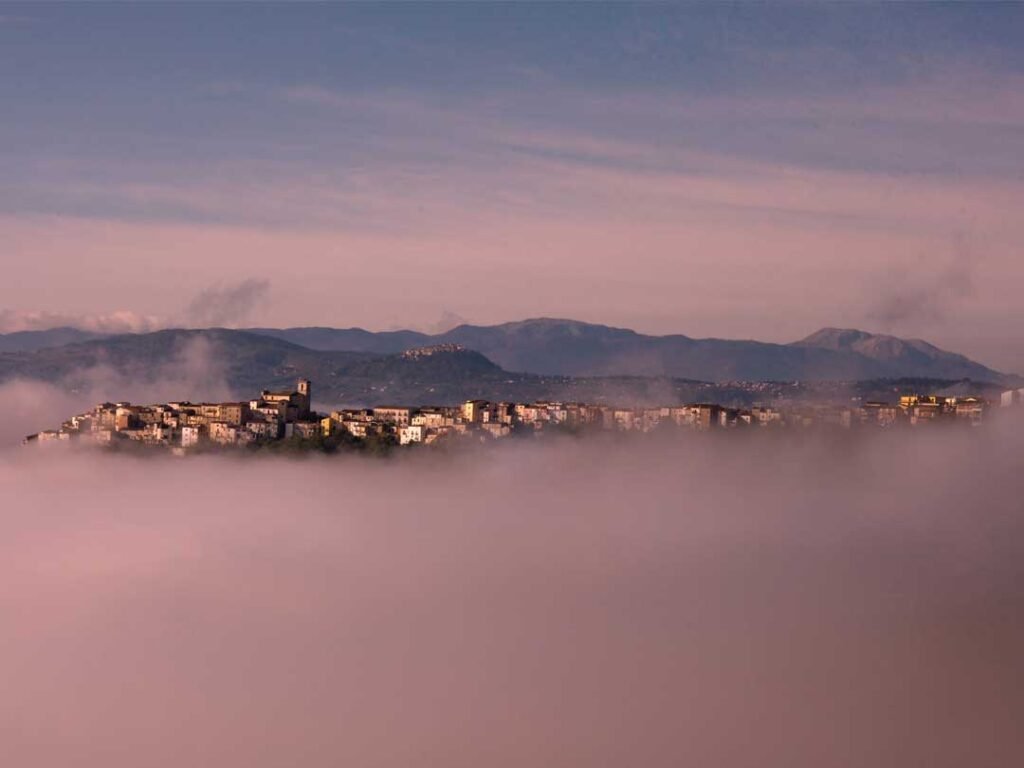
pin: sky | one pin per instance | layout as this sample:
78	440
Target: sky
752	171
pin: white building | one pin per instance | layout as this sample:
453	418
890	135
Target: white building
264	430
413	433
223	433
189	436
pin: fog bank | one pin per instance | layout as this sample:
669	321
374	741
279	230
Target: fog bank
704	602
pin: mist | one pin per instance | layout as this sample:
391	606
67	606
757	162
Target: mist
935	294
194	371
226	305
723	602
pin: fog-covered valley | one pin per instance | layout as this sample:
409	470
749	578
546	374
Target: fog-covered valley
726	602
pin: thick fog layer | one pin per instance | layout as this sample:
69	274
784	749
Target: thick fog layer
703	602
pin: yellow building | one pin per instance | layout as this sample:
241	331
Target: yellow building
473	410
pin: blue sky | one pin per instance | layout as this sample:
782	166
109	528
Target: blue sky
430	124
187	83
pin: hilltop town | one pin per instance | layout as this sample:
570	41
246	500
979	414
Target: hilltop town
274	417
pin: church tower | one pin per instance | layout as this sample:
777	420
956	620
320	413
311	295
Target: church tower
305	397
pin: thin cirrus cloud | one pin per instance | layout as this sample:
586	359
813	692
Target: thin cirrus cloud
378	160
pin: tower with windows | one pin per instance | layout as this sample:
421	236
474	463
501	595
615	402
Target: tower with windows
305	391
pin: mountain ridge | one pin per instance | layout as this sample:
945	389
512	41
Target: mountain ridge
220	363
564	347
555	346
27	341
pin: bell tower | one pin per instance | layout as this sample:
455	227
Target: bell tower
305	397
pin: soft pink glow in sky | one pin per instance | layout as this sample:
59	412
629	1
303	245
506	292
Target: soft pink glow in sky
741	250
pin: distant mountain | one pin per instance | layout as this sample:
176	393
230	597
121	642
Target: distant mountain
244	360
350	339
26	341
924	358
570	348
187	360
194	363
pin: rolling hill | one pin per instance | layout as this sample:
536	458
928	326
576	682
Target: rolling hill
571	348
221	363
28	341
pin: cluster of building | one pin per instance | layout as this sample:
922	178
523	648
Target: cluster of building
272	416
283	415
